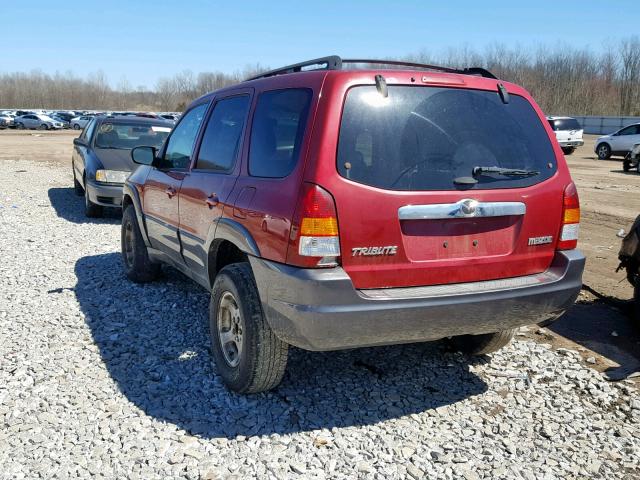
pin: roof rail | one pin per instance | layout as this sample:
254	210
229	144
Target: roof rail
334	62
466	71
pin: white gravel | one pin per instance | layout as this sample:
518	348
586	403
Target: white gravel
100	378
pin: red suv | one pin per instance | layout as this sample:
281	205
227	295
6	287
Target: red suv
328	207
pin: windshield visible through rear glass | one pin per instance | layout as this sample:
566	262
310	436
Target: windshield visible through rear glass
422	138
124	136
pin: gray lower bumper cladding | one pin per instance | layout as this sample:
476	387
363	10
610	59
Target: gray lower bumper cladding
319	309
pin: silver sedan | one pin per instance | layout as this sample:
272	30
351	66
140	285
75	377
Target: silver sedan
37	121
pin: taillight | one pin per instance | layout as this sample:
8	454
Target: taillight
570	219
314	240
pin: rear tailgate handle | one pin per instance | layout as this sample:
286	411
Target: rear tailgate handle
466	208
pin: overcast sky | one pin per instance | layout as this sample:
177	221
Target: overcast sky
143	40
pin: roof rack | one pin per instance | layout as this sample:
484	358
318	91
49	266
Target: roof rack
334	62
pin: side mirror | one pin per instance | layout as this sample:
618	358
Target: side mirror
143	155
79	141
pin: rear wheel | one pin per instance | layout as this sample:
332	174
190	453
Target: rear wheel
568	150
604	151
135	256
482	344
91	210
248	355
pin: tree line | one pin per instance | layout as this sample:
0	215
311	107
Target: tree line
564	81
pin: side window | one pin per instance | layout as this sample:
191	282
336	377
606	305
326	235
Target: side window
180	146
221	139
632	130
277	131
88	131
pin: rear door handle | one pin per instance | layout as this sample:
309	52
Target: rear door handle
171	192
212	200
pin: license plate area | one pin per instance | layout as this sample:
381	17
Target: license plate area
428	240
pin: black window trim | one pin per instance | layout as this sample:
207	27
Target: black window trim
196	153
161	153
309	116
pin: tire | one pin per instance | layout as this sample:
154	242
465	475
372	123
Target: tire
253	359
482	344
604	151
638	166
626	165
44	127
76	126
135	257
20	126
77	186
636	305
568	150
91	210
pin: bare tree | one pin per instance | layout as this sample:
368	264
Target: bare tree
562	79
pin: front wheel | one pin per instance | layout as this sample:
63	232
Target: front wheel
248	355
568	150
604	151
482	344
91	210
626	165
77	186
76	126
44	126
135	256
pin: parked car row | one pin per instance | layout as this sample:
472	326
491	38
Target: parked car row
57	119
369	214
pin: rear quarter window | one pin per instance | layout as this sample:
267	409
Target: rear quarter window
422	138
277	132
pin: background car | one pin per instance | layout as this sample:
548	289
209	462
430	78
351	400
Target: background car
632	160
101	159
78	123
568	133
37	121
64	122
66	116
6	121
619	143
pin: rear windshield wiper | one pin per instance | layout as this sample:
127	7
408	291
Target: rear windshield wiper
508	172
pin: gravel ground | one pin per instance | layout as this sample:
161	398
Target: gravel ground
100	378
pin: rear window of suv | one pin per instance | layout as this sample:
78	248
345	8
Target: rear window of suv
565	124
422	138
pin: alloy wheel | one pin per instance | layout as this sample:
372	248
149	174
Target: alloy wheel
230	329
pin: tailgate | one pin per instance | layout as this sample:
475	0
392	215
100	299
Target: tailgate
412	207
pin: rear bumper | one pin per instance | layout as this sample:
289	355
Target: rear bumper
105	195
319	309
572	143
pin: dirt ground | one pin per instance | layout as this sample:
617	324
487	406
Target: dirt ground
598	325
